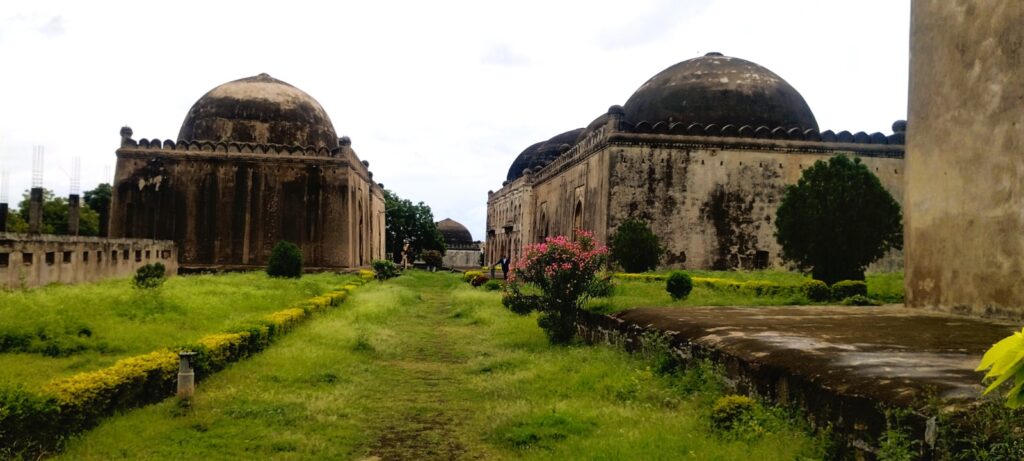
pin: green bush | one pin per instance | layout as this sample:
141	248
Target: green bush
731	411
468	276
601	287
433	258
816	291
635	247
679	285
150	276
479	280
384	269
846	288
493	285
859	300
29	423
837	219
285	260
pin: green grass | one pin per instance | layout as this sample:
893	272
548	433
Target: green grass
60	330
630	294
426	367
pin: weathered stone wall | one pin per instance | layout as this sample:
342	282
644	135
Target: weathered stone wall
508	223
965	164
227	205
576	196
462	259
37	260
713	206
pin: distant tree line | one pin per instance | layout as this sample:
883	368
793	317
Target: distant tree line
412	223
94	211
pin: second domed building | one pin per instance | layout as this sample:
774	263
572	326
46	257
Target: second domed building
256	161
701	152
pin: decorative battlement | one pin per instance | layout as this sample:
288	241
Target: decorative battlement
762	132
231	147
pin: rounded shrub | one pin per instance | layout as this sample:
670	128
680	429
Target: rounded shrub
730	411
635	247
468	276
679	285
846	288
816	291
479	280
285	260
384	269
150	276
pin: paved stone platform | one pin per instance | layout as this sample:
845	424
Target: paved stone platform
843	365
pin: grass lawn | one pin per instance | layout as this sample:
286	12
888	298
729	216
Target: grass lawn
60	330
629	294
426	367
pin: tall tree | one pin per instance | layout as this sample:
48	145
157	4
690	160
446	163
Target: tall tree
837	220
405	221
98	200
55	215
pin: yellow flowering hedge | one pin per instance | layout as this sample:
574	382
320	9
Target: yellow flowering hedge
36	422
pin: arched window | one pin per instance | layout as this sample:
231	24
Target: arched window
577	217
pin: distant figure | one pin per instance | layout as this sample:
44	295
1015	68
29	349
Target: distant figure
503	262
405	255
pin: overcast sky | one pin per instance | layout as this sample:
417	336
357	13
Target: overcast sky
438	96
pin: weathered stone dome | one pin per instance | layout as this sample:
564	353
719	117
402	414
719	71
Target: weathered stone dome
721	90
454	233
542	153
261	110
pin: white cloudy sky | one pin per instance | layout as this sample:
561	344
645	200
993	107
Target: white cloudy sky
439	96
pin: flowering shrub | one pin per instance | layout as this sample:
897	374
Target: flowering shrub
562	271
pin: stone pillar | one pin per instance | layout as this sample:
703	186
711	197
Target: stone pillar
3	217
35	210
73	214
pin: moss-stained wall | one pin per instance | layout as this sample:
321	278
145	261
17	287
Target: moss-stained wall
965	157
714	207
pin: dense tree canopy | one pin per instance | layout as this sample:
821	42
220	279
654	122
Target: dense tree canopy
55	216
837	220
405	221
98	199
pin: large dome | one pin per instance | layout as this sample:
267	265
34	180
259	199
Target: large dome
542	153
261	110
720	90
454	233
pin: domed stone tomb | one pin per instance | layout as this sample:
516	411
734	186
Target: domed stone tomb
702	152
461	251
256	161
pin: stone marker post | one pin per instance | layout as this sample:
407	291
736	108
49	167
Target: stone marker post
73	214
3	217
35	210
186	375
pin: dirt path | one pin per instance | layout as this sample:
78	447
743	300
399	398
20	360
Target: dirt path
421	423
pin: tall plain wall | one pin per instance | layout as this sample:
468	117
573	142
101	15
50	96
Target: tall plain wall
965	163
28	260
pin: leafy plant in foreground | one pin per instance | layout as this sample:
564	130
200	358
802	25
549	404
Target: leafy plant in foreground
561	270
1003	361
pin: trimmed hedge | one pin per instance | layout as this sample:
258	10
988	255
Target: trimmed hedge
847	288
33	423
816	291
754	287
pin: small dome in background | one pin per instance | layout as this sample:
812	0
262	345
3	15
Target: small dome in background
454	233
542	153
